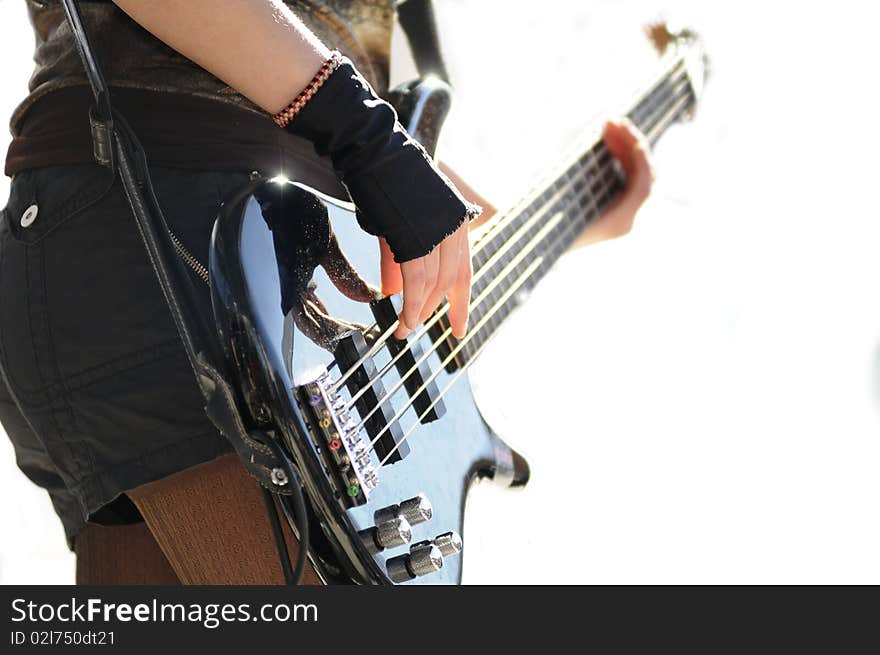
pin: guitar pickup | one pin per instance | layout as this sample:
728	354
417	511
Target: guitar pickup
446	345
426	401
373	401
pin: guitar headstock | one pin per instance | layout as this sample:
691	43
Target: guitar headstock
686	43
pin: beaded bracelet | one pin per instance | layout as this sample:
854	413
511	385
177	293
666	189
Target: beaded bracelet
283	117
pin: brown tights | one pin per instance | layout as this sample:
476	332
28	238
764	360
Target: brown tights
205	525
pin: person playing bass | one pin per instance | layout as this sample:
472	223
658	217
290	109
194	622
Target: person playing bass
97	397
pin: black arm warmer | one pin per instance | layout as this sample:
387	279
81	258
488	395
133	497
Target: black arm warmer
399	192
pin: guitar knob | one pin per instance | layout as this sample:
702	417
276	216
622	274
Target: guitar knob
395	532
389	533
417	510
423	558
386	514
449	543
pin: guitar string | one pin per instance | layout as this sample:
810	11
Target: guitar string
371	352
673	75
427	325
509	270
482	271
521	232
521	279
661	125
599	163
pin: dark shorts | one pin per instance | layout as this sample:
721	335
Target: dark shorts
98	396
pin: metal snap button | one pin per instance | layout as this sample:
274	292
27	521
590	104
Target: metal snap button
29	216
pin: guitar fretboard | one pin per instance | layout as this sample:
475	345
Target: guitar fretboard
520	247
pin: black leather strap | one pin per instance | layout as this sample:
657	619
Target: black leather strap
101	114
420	26
116	146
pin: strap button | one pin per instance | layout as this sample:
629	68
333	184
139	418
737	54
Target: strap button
29	216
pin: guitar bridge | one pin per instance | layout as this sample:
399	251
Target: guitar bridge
346	454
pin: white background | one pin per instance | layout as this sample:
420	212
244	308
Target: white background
700	401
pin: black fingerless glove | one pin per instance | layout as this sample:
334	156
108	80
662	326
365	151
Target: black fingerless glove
399	193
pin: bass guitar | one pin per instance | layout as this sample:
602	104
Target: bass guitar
385	434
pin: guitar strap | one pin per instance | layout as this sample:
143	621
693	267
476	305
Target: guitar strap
117	147
420	26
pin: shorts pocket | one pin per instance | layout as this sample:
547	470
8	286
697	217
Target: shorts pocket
42	199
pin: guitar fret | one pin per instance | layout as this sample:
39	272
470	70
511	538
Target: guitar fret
479	259
557	241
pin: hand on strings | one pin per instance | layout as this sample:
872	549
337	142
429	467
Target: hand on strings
445	271
632	150
427	280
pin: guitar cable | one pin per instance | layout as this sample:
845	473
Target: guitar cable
293	506
294	509
278	533
296	517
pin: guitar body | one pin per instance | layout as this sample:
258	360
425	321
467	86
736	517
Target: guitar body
272	357
384	435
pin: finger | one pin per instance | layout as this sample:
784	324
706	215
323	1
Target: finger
450	252
344	276
632	149
620	142
432	270
642	177
392	280
460	294
413	273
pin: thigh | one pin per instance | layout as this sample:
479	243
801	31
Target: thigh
212	525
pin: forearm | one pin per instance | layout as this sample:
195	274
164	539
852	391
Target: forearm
258	47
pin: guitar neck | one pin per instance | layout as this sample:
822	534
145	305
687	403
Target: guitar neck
522	244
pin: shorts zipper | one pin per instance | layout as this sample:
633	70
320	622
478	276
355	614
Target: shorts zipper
189	258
